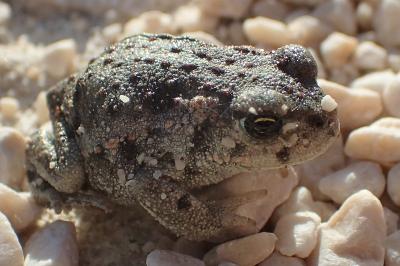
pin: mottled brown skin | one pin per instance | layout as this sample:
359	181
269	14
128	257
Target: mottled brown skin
156	117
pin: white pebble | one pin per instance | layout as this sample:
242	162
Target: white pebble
170	258
297	233
392	253
60	58
370	56
393	184
337	49
277	259
53	245
378	142
328	104
355	107
112	32
265	31
151	21
386	22
40	106
308	30
225	8
9	107
192	18
243	251
354	235
375	81
10	248
391	97
355	177
19	207
12	157
124	98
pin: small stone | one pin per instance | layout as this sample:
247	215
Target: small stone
273	9
12	157
386	22
337	49
170	258
391	97
355	177
297	233
393	184
308	30
328	104
5	13
150	21
10	248
60	58
375	81
20	207
355	107
339	14
53	245
9	107
392	253
40	107
370	56
391	219
354	235
112	32
265	31
364	15
189	18
378	142
277	259
225	8
243	251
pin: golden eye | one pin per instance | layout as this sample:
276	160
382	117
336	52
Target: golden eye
264	119
261	126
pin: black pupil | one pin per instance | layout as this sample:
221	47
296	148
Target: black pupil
262	126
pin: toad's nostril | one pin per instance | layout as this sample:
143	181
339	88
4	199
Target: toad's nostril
316	120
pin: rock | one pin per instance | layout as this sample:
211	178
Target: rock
273	9
41	110
10	249
19	207
60	58
378	142
192	18
12	157
391	219
391	97
344	74
355	177
243	251
301	200
265	31
386	22
392	253
297	233
53	245
375	81
9	108
112	32
150	21
276	259
225	8
354	235
356	107
364	15
308	30
5	13
278	184
170	258
339	14
393	184
370	56
337	49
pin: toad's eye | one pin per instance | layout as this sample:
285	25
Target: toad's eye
261	127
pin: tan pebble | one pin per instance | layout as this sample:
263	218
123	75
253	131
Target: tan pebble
243	251
225	8
344	74
297	233
354	235
60	58
391	219
273	9
355	107
370	56
9	107
339	14
392	253
394	61
308	30
393	184
53	245
112	32
364	15
355	177
19	207
10	248
170	258
386	22
277	259
375	81
265	31
337	49
192	18
12	157
378	142
150	21
40	106
391	96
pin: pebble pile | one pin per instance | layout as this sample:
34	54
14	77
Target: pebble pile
341	208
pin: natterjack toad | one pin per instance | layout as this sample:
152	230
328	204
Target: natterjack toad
156	117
